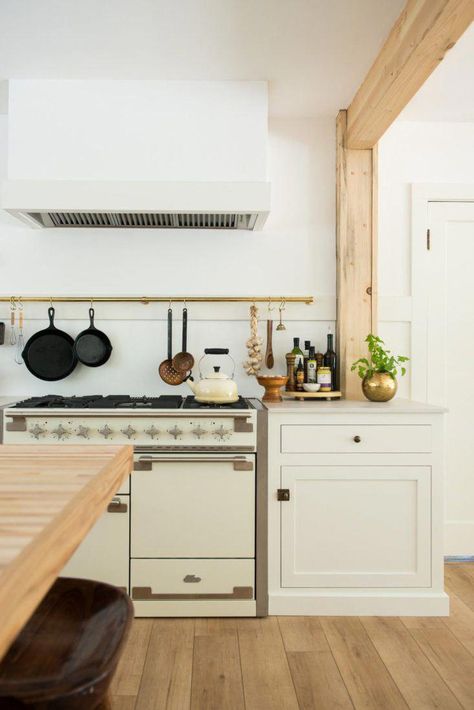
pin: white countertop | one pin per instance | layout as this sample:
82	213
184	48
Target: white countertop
346	406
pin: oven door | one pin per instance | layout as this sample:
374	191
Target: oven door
200	505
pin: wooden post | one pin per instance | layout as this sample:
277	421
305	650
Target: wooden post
356	259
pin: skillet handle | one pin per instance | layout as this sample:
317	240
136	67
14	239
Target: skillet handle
185	330
51	313
91	317
170	326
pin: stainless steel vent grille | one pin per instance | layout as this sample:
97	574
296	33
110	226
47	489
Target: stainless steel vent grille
146	220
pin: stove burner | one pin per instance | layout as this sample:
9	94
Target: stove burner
191	403
100	402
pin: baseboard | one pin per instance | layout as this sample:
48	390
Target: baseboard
459	539
419	603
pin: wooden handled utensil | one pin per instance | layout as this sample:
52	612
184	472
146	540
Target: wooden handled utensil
269	359
167	372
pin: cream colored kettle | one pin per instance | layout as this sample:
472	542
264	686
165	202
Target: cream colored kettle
216	387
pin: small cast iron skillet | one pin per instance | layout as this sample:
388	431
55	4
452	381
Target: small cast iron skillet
49	353
92	347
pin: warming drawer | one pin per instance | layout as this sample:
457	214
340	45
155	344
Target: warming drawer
192	580
193	506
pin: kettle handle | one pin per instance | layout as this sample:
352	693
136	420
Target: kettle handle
217	351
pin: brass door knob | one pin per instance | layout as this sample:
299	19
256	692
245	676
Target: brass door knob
357	439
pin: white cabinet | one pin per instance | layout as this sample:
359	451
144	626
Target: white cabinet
355	510
356	526
104	554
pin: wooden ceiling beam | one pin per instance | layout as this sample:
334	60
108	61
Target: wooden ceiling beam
417	43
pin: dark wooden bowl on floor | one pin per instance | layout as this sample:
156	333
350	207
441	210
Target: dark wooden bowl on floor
66	655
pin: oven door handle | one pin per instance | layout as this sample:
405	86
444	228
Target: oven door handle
145	463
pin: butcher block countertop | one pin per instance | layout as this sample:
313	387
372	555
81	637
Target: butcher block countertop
50	497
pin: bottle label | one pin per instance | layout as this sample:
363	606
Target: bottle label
311	371
324	379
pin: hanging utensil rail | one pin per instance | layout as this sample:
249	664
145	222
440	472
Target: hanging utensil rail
157	299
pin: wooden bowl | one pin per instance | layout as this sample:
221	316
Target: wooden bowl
272	385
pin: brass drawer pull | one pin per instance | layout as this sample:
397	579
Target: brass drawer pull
116	506
357	439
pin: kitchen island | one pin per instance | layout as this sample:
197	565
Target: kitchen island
50	497
355	508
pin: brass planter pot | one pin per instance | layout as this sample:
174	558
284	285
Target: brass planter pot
380	387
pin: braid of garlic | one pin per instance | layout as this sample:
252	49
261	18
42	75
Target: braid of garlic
254	362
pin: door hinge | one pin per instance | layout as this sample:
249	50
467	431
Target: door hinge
283	494
428	239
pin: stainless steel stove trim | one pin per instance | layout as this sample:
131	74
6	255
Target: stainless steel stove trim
145	463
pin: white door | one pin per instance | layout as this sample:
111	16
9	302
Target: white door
449	279
356	526
194	506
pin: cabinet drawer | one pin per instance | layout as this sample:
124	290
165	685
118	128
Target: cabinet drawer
355	439
190	579
104	552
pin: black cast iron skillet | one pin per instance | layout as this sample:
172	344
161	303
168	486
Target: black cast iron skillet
49	353
92	347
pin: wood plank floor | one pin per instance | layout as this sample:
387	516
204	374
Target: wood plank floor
291	662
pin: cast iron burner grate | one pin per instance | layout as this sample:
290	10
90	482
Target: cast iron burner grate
100	402
191	403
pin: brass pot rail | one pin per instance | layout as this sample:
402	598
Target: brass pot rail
145	300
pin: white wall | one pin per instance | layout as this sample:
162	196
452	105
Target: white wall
294	254
411	152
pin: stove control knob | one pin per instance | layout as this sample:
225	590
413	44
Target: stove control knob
199	431
37	431
106	431
221	432
83	431
129	432
152	432
61	432
175	431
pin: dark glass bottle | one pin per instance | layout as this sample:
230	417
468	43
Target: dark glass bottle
307	346
330	360
300	377
297	352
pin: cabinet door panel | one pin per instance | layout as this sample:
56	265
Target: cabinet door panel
356	526
104	554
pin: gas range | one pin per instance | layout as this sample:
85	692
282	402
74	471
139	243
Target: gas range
167	422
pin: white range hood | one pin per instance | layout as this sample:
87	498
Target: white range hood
137	155
137	205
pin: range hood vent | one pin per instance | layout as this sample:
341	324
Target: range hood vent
137	205
144	220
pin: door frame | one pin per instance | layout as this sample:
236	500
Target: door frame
421	196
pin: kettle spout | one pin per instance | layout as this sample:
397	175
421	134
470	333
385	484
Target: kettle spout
191	385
